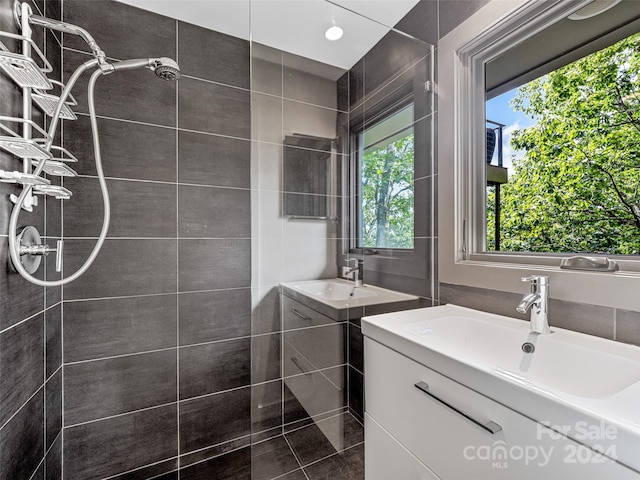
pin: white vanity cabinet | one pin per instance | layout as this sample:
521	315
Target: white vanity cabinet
448	431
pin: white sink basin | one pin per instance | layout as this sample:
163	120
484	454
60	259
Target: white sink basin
333	290
576	364
570	380
339	293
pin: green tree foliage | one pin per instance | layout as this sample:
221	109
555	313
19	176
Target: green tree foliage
387	196
576	189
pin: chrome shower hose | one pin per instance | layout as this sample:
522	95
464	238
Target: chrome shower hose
13	222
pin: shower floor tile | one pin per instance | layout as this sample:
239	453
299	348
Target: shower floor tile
325	438
272	459
330	449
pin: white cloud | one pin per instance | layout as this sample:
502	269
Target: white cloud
508	152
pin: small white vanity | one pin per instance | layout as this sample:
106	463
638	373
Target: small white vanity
453	393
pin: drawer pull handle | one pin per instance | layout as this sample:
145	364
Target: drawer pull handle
295	361
304	317
490	426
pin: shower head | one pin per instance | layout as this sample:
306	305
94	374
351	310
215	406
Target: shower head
163	67
166	68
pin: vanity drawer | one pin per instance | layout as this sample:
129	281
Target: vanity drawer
297	315
448	428
385	458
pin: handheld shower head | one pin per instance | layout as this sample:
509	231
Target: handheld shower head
166	68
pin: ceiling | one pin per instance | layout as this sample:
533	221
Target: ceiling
295	26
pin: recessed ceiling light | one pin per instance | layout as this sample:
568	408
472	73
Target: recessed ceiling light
594	8
333	33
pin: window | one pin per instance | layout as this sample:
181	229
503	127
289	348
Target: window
386	170
571	179
494	51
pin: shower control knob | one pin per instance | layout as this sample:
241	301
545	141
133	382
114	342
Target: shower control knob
31	250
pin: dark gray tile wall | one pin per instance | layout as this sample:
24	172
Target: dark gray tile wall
30	316
157	347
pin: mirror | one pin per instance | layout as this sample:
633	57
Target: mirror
306	176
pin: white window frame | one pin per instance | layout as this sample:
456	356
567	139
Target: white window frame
461	165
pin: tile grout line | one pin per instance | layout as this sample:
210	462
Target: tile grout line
177	178
145	295
3	425
334	454
281	260
62	289
140	468
44	301
295	456
315	422
167	183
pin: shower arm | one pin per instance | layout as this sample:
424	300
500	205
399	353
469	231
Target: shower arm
66	28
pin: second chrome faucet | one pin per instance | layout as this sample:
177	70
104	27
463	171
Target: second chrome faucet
538	302
354	272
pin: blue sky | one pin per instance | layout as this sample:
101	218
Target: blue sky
498	110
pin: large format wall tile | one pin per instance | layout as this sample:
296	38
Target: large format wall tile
214	367
21	362
103	388
24	299
628	326
265	352
53	335
308	81
206	159
213	108
452	13
99	449
214	212
121	31
167	470
227	62
138	209
119	326
21	440
266	69
123	267
53	461
214	264
214	419
266	118
53	413
128	149
211	316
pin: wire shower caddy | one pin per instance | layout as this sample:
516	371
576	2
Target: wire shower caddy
25	139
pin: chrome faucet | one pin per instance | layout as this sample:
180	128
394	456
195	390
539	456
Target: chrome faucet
356	270
538	302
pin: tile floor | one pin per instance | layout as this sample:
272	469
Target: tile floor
332	449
